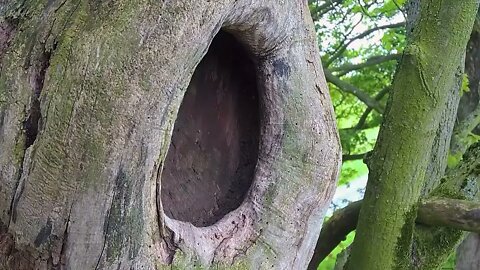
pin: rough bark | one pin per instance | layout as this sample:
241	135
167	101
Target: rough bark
452	213
434	245
468	255
469	110
89	96
397	173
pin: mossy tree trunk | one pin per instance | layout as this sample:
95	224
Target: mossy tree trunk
404	156
90	92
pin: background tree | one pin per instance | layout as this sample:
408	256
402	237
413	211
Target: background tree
339	5
466	132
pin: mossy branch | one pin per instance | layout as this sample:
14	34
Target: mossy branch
453	213
454	204
457	214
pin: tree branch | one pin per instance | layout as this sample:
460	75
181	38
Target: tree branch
334	231
323	9
346	87
375	60
355	128
453	213
363	118
458	214
360	36
354	156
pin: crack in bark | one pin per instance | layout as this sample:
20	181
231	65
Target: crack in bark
231	235
105	228
15	198
58	262
243	251
167	236
31	125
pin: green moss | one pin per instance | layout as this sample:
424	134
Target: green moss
434	245
19	149
404	243
183	260
447	192
3	94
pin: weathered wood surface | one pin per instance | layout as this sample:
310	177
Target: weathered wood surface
89	94
467	253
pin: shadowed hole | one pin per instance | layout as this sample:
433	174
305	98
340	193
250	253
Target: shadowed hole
212	156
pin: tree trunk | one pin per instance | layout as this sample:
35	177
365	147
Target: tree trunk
468	253
126	145
402	155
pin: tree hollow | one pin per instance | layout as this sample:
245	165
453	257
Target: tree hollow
211	160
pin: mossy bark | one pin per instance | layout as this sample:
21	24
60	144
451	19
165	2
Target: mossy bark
89	94
402	154
468	253
433	245
469	109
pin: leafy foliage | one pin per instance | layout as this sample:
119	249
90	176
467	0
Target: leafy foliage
339	25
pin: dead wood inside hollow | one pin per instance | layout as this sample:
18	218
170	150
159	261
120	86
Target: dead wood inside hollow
214	148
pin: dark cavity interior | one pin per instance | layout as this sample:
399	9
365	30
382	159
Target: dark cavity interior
211	160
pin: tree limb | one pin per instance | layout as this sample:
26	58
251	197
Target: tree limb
342	49
363	118
463	181
343	131
362	125
325	8
334	231
375	60
346	87
354	156
458	214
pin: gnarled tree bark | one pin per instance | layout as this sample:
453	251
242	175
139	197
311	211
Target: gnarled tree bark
91	93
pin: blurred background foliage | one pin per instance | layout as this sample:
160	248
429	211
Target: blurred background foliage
360	42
